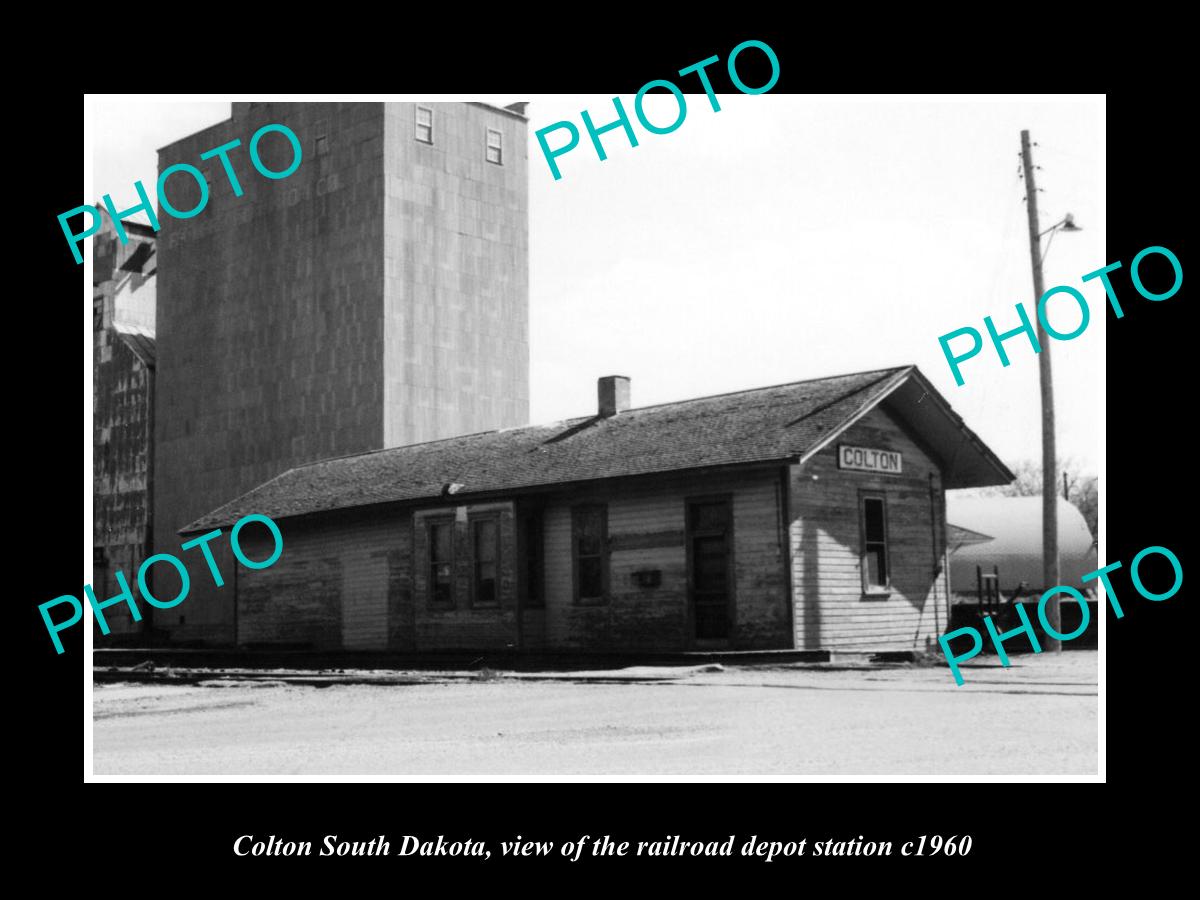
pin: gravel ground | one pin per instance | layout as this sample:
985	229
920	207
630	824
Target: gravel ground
1038	716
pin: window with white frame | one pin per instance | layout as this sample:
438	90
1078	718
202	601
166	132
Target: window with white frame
495	147
425	124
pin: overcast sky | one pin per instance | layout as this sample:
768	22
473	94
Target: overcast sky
784	237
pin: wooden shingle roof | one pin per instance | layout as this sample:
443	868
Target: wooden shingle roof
766	424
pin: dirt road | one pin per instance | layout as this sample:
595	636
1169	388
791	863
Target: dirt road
1037	717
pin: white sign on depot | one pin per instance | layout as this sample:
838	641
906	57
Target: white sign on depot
869	459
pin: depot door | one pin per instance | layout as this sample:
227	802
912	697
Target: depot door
710	589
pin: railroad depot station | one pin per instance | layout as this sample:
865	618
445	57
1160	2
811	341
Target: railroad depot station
348	355
742	521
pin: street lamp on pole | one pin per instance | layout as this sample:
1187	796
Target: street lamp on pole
1049	458
1066	223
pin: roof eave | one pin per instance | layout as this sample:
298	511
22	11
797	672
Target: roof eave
995	472
989	469
218	520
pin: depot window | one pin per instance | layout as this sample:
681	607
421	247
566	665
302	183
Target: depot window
589	546
425	124
440	551
876	574
485	561
495	143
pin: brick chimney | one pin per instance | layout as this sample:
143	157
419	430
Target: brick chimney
613	391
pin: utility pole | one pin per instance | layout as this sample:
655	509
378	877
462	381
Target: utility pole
1049	467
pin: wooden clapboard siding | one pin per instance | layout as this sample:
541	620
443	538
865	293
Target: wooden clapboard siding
830	610
339	582
760	575
646	529
365	602
533	629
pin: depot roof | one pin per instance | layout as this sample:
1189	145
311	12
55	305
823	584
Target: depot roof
784	423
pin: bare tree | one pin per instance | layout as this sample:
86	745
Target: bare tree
1087	499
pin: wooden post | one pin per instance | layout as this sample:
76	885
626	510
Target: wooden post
1049	466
